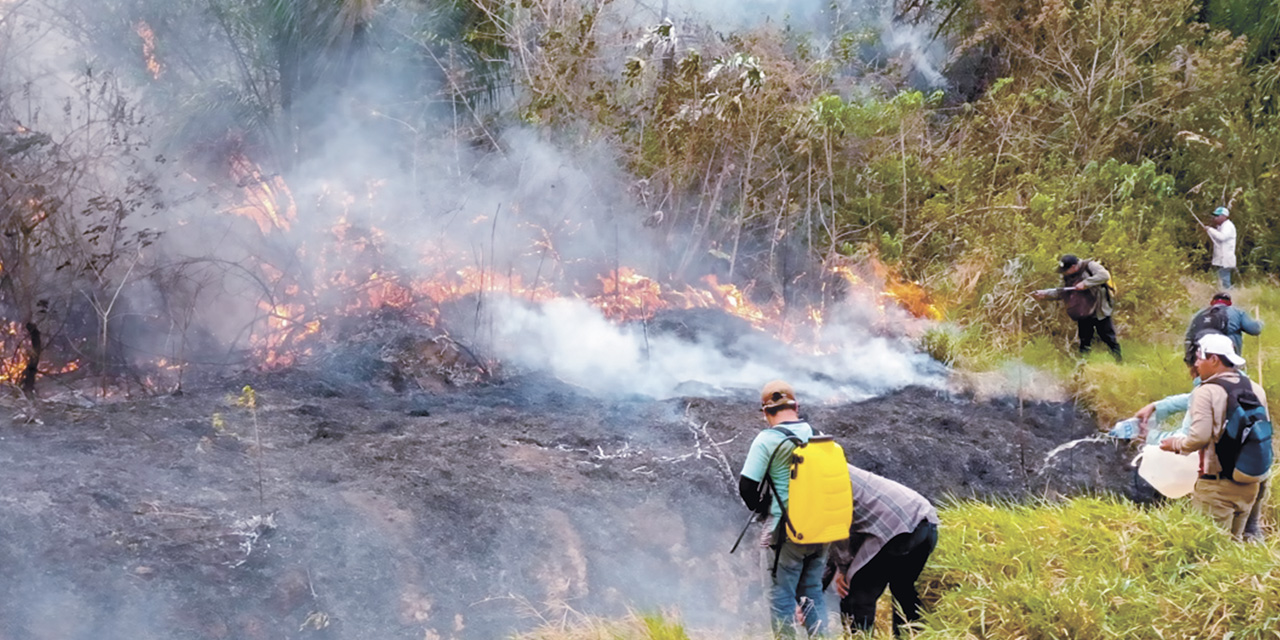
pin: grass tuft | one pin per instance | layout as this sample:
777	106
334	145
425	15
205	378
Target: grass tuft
635	626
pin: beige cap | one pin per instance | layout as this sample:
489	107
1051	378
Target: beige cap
777	394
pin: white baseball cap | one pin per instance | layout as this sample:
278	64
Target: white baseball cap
1216	343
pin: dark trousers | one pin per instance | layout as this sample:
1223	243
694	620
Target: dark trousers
1253	526
1106	332
897	565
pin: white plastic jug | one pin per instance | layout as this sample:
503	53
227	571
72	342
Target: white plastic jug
1172	474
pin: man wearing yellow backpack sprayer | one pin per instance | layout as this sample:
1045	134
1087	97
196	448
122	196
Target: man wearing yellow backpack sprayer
799	478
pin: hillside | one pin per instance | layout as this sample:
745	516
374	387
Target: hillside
455	515
439	318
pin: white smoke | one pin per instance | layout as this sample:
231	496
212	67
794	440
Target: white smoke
573	341
524	207
823	22
915	44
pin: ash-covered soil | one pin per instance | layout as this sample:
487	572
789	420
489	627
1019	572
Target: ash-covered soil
468	513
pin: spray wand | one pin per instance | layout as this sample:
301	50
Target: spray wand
746	526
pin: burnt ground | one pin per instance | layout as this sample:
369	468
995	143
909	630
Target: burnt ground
464	513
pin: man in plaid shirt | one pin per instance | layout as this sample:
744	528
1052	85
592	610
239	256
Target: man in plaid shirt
894	531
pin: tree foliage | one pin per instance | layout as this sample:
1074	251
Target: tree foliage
771	156
1102	126
72	219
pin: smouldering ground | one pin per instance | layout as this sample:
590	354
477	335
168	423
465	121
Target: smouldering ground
403	515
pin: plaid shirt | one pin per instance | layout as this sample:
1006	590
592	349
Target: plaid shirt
882	509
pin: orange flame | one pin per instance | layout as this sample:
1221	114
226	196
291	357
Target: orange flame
149	48
15	358
463	282
286	331
351	269
627	295
731	299
912	297
384	292
267	200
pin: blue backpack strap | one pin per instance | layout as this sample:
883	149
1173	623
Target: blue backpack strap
1229	446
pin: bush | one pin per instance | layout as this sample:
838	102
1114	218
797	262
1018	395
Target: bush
942	342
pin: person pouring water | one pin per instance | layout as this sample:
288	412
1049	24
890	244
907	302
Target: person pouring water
1216	492
1148	422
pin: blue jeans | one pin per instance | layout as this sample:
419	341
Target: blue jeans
1224	277
800	568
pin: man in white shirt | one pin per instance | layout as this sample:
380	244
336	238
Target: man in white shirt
1223	234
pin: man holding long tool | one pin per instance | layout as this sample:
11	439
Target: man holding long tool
1222	232
1086	294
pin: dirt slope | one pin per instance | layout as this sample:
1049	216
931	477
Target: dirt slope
459	514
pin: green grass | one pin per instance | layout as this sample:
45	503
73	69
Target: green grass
1097	568
1152	367
636	626
1094	568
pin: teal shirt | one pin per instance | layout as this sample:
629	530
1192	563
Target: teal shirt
1166	408
758	456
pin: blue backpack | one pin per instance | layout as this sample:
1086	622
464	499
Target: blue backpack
1244	450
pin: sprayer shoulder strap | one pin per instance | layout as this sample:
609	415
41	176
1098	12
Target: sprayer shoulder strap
788	436
779	532
796	443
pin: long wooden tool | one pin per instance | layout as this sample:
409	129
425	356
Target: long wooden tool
1256	315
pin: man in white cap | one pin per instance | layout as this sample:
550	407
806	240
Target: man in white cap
1226	501
1223	234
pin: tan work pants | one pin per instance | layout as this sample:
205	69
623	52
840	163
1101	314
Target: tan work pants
1227	502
